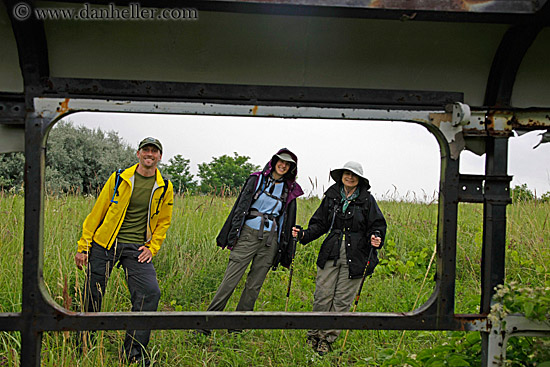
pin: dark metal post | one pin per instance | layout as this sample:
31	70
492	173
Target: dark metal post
446	236
31	335
494	227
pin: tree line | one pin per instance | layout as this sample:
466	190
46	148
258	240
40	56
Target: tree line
80	160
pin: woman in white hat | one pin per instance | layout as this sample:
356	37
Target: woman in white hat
356	229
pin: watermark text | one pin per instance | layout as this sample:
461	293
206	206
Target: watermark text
134	11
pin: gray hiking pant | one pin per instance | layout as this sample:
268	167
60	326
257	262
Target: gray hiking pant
142	283
248	249
334	292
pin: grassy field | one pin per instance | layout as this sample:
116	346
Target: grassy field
190	267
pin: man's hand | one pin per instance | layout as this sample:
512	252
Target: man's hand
81	260
146	256
375	241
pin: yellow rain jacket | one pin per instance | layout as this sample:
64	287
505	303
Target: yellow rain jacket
104	221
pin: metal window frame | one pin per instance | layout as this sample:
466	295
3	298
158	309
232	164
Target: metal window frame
40	313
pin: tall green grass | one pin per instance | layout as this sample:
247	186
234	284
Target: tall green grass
190	267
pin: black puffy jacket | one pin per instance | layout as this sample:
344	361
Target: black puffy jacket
361	219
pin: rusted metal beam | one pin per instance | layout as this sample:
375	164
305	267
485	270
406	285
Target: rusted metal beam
447	231
493	252
33	250
12	123
481	188
32	50
12	109
63	320
474	6
510	53
139	90
469	11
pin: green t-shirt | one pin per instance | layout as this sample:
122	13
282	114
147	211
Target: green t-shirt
134	226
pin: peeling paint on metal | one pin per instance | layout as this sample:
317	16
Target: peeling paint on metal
63	106
476	322
437	118
499	123
45	106
453	133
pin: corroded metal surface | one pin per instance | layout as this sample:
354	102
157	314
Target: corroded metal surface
495	6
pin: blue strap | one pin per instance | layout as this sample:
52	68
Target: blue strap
117	182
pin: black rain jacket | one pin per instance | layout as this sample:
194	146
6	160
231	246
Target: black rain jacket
361	219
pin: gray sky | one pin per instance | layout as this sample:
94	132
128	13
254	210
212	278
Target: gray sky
400	159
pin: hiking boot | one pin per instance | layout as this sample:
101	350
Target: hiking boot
323	347
312	342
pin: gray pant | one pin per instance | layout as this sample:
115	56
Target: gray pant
142	283
334	292
248	249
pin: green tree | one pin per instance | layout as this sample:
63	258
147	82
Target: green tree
522	193
12	166
177	170
81	159
225	173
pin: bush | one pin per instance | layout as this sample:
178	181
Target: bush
522	193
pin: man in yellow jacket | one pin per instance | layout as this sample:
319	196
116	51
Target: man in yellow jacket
127	225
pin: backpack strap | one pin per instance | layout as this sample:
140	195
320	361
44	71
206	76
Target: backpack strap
161	196
117	184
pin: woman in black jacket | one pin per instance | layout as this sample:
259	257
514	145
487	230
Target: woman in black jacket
356	229
259	230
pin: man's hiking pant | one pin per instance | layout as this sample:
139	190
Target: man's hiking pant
142	283
249	248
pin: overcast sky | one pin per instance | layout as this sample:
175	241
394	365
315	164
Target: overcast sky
400	159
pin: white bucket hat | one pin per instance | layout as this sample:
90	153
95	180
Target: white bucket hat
353	167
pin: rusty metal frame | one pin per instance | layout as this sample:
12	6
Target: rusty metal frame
40	313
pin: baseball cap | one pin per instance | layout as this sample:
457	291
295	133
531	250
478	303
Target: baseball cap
150	141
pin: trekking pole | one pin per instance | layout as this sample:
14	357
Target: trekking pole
294	242
357	299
